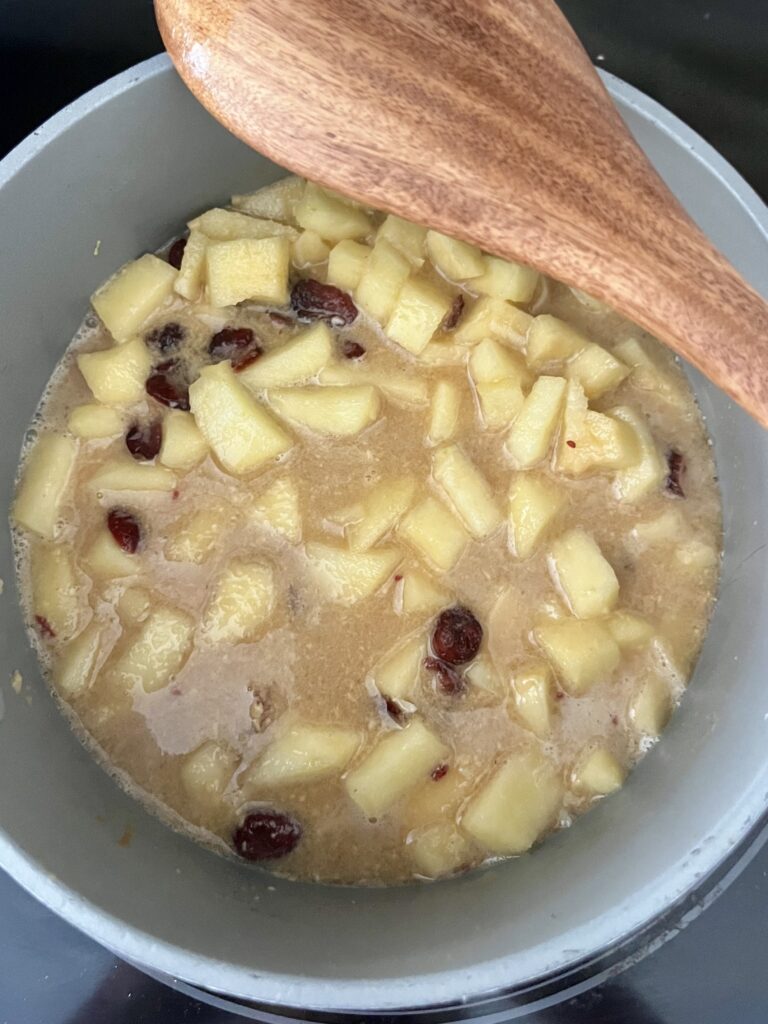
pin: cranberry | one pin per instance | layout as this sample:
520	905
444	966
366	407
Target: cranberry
143	442
266	835
453	315
677	470
448	679
46	629
176	252
394	710
124	527
457	636
245	359
314	300
166	338
352	350
168	385
229	341
439	773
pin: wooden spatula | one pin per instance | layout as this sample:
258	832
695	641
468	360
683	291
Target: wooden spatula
486	120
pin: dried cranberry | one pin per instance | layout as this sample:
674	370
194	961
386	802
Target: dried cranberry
166	338
168	385
439	773
453	315
314	300
245	359
176	252
266	835
124	527
448	679
394	710
143	442
457	636
46	629
352	350
229	341
280	320
677	470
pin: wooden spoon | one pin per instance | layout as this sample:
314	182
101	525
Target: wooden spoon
485	120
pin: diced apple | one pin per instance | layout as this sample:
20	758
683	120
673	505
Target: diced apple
482	675
534	504
651	707
583	574
397	674
503	279
242	603
467	490
518	804
382	509
135	291
117	374
309	250
396	764
73	671
337	411
490	362
442	352
279	507
598	773
346	263
183	445
592	441
419	310
122	473
385	272
156	652
583	653
493	318
596	370
648	473
664	529
531	435
500	402
44	483
294	362
532	695
419	593
206	772
697	554
439	850
276	201
95	421
551	340
647	373
196	536
330	216
630	631
104	559
407	237
133	605
444	414
305	753
228	225
248	268
457	260
54	589
435	533
240	431
347	577
398	386
191	277
438	800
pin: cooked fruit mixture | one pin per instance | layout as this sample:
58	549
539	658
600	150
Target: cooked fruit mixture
358	552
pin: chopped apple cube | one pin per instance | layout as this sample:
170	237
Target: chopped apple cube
493	318
183	445
347	577
279	507
407	237
500	402
598	773
117	374
122	473
385	272
346	263
398	673
228	225
196	536
582	652
438	801
338	411
592	441
298	360
240	431
467	490
157	651
482	675
242	603
133	605
73	671
396	764
551	340
455	259
648	473
419	593
330	215
696	554
400	387
309	250
44	484
419	310
439	850
248	268
104	559
276	201
205	773
647	374
191	277
534	504
630	631
533	430
518	804
503	279
583	574
596	370
532	692
435	533
666	528
489	362
444	414
304	753
382	509
95	421
441	352
651	707
135	291
54	589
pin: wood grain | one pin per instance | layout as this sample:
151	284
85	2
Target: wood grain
486	120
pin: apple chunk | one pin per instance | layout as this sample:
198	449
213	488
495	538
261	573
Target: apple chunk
581	571
651	706
242	603
435	533
598	773
304	753
248	268
385	272
347	577
183	445
156	652
44	483
346	263
467	489
205	773
407	237
195	537
95	421
419	593
337	411
418	311
227	225
122	473
648	473
493	318
398	672
331	216
116	375
503	279
104	559
532	688
534	504
73	672
191	277
551	340
596	370
382	508
455	259
534	428
54	589
298	360
279	507
440	849
276	201
583	653
132	294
